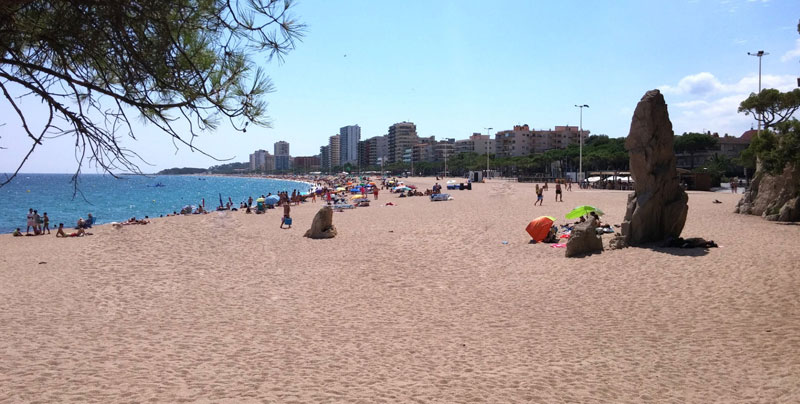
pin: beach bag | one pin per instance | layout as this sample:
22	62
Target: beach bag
287	221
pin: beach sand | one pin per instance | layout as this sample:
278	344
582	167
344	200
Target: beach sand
418	302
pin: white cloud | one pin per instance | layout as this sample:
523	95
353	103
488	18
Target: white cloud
701	102
792	54
697	84
706	84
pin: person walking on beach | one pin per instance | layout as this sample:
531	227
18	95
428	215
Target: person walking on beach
539	196
558	192
375	193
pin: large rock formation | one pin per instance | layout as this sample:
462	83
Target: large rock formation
322	225
583	240
657	209
775	197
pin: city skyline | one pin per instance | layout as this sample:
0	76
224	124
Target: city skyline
455	68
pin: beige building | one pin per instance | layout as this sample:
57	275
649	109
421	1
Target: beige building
522	140
335	156
477	143
401	138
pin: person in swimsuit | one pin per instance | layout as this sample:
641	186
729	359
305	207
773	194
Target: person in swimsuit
558	193
539	196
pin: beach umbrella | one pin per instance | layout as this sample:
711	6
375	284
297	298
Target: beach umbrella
341	189
403	188
539	227
272	199
260	199
583	210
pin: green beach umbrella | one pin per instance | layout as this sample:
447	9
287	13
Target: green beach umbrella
583	210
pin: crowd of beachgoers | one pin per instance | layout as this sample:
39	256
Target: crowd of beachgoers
340	192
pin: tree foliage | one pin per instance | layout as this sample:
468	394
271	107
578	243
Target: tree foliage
693	143
776	149
97	65
770	106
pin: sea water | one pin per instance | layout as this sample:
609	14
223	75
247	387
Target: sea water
111	199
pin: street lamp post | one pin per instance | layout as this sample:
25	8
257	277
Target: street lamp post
759	55
488	140
580	148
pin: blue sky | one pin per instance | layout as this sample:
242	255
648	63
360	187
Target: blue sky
457	67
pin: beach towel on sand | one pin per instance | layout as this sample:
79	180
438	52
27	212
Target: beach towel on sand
440	197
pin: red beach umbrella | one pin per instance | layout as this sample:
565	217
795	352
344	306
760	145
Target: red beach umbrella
539	227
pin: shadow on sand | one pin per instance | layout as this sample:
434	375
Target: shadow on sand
677	251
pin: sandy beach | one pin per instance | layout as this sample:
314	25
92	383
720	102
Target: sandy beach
418	302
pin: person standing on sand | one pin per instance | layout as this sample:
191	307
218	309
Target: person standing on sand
539	196
46	224
29	221
37	220
286	210
558	193
375	192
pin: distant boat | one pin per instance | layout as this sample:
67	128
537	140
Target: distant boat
157	185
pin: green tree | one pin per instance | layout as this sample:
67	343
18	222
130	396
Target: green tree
776	149
96	65
693	143
770	106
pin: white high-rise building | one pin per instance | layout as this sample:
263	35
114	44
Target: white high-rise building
349	136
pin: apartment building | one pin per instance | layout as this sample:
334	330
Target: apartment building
401	138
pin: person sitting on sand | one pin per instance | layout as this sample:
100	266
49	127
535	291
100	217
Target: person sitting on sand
17	233
81	223
595	219
60	232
